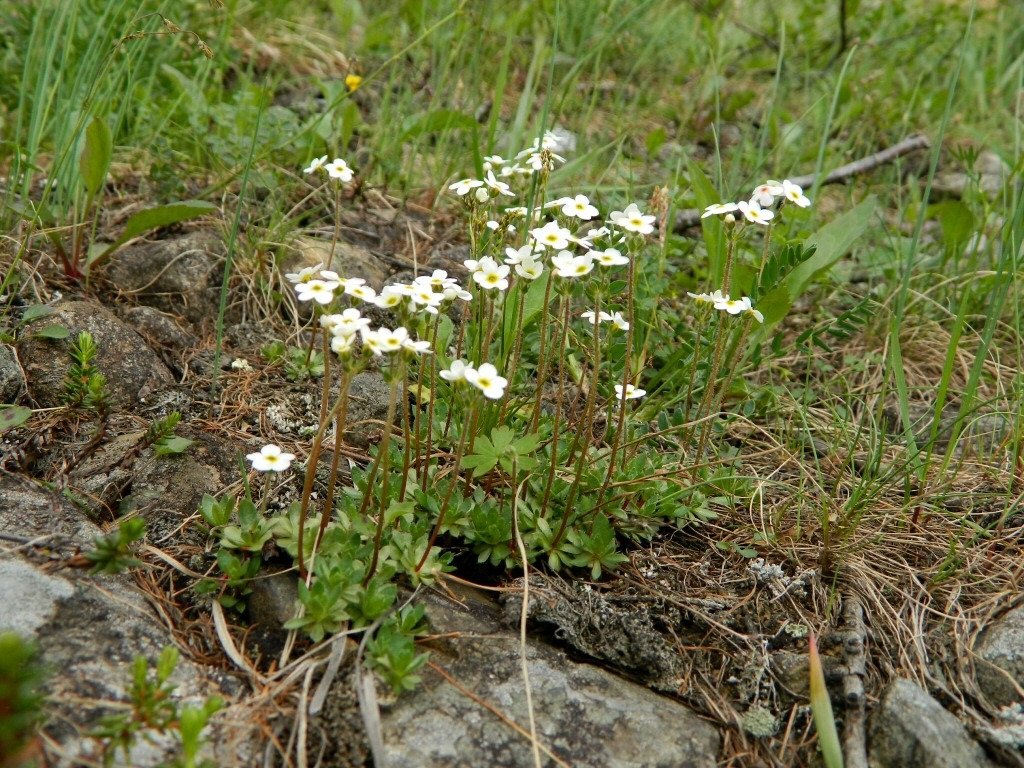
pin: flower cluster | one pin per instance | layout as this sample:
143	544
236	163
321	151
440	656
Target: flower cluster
725	304
757	210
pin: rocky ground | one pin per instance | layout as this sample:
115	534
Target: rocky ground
692	656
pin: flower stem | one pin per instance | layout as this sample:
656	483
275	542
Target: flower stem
382	461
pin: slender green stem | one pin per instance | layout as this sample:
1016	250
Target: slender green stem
542	359
470	428
626	375
382	461
557	423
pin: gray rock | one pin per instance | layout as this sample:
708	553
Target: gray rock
159	328
990	169
1000	659
133	370
350	260
88	629
168	489
30	597
912	730
173	275
12	378
272	602
367	408
585	715
33	513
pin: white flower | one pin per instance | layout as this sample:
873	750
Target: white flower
390	297
360	291
707	298
514	170
461	188
794	193
612	257
482	195
732	306
490	275
342	345
493	161
631	393
567	265
304	275
632	220
498	186
515	256
578	207
530	268
456	371
486	379
736	306
338	169
754	213
416	347
539	161
455	291
240	364
551	235
345	324
765	194
271	459
423	296
384	340
316	290
718	209
602	317
619	321
315	164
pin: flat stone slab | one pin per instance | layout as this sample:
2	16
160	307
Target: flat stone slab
585	715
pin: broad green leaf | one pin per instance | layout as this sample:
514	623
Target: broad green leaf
52	332
154	218
706	194
171	445
436	121
97	149
956	219
35	312
12	416
830	242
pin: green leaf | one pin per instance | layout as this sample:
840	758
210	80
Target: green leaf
821	709
706	194
97	149
12	416
154	218
436	121
35	312
52	332
171	445
956	219
830	243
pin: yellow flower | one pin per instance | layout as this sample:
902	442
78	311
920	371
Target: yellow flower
352	82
